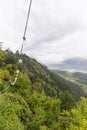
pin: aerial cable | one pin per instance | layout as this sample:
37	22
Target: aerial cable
20	60
24	36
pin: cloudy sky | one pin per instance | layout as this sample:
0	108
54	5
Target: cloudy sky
57	29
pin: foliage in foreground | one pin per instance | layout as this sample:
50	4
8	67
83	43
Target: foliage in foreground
40	113
26	106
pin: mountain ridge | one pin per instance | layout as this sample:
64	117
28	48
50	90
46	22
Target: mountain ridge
71	64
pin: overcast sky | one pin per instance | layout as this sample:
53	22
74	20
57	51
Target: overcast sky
57	29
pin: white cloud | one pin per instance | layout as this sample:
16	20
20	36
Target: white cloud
57	29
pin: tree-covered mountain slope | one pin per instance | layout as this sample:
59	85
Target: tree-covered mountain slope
39	100
47	80
78	78
41	78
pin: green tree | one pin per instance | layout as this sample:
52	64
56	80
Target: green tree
10	58
22	86
67	100
14	113
76	118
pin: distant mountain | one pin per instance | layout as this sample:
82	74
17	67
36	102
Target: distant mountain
71	65
77	77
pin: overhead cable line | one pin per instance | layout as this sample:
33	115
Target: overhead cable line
21	51
26	25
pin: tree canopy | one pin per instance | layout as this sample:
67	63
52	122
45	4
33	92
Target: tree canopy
35	101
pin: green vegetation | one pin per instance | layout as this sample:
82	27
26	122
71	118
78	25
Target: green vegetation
39	100
78	78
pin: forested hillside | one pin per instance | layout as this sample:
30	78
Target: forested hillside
39	100
79	78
